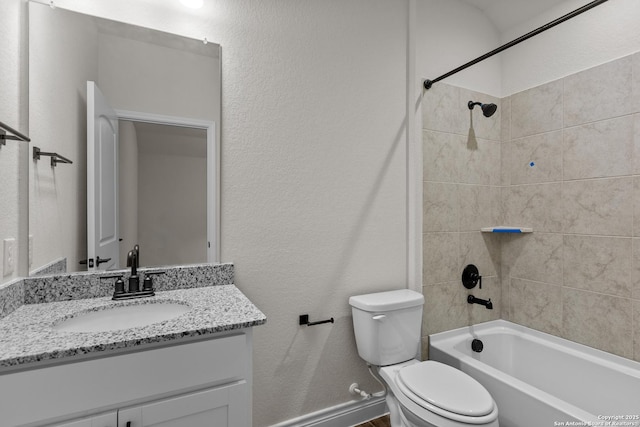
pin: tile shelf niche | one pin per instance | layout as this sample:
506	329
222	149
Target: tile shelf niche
505	229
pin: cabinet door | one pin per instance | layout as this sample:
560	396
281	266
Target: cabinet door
109	419
225	406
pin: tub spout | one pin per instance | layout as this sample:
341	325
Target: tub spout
486	302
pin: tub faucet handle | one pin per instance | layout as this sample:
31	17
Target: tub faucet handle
471	277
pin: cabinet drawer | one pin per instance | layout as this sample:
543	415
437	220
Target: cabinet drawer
75	389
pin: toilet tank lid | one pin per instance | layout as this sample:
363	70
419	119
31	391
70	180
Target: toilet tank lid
386	301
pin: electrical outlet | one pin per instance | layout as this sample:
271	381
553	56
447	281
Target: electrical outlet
30	250
9	256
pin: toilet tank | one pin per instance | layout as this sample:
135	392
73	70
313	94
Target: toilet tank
387	325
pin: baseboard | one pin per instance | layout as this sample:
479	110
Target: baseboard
346	414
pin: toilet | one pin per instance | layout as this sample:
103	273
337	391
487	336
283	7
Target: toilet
419	394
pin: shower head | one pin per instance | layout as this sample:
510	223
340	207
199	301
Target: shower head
487	109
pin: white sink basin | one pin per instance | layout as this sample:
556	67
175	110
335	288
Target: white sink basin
122	317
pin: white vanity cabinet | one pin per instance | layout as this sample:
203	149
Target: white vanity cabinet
183	383
109	419
220	407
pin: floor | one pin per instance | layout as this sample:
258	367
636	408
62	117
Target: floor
378	422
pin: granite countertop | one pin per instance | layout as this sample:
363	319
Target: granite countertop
27	337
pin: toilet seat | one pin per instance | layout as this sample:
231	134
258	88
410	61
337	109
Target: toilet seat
420	386
446	388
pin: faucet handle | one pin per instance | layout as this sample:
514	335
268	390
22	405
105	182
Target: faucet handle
119	285
119	288
471	277
147	283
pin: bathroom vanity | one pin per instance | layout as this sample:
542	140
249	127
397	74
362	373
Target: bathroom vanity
192	369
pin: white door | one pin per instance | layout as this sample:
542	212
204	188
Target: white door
224	406
102	182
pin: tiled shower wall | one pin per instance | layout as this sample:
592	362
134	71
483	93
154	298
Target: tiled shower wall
569	167
461	194
578	275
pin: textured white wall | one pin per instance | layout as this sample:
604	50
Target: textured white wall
13	112
172	197
607	32
60	63
127	187
313	174
313	206
450	33
133	76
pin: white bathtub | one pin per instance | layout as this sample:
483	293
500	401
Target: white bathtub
539	380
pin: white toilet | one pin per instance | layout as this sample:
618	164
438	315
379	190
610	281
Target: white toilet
421	394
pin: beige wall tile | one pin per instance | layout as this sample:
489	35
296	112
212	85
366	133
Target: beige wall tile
479	207
635	84
445	307
482	250
600	149
636	139
442	111
536	110
505	295
636	331
536	305
536	256
490	290
505	117
425	348
505	138
440	206
601	206
440	152
585	145
598	320
441	257
600	264
480	164
544	151
506	160
635	274
636	206
536	205
598	93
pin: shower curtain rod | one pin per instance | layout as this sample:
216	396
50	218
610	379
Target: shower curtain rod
428	83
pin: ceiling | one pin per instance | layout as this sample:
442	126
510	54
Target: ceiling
505	14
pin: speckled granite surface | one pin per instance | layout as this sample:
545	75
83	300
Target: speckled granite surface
27	336
11	296
64	287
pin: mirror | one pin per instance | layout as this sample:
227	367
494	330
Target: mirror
152	200
165	90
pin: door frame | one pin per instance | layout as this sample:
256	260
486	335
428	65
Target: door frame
213	168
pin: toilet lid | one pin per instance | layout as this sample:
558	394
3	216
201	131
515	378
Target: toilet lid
447	388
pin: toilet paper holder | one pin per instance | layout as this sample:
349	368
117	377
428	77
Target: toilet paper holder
304	320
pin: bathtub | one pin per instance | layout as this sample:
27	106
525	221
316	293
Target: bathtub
540	380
